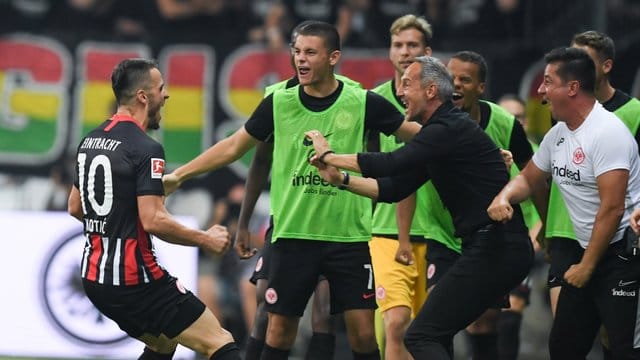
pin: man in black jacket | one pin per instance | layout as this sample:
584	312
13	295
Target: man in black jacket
468	171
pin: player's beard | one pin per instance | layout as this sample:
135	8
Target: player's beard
154	120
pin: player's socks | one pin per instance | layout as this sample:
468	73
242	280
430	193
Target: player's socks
270	353
374	355
483	346
149	354
321	346
509	334
254	348
229	351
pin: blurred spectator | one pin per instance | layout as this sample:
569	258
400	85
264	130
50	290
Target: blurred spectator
10	194
28	193
517	107
622	17
193	21
473	20
85	19
61	181
280	17
234	271
277	21
393	9
25	14
358	24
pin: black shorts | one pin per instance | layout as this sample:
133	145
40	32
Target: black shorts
439	260
161	307
261	270
564	252
296	265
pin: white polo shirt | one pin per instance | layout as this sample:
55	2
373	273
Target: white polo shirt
576	158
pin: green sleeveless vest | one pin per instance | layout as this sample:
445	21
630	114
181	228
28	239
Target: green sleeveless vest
499	129
304	206
384	216
558	221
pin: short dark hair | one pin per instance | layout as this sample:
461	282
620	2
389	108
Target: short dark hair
600	42
474	58
574	64
129	76
323	30
296	30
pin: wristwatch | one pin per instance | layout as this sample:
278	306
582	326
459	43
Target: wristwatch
345	181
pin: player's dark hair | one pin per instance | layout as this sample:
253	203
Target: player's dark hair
574	64
129	76
323	30
474	58
601	43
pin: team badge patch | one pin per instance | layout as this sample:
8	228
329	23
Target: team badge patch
271	296
380	293
431	270
157	168
578	156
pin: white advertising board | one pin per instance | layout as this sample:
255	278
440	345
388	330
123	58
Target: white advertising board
44	310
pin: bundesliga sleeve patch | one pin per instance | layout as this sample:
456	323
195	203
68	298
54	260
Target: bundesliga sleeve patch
157	168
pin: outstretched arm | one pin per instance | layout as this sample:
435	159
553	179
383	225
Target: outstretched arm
222	153
156	220
516	191
358	185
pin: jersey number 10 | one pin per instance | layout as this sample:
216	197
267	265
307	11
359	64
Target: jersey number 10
90	182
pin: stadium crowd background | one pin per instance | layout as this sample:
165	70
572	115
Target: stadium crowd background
511	34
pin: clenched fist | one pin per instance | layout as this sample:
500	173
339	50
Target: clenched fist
218	241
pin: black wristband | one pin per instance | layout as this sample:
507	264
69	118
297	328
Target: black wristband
321	157
345	181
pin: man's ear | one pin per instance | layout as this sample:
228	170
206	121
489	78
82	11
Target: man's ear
431	91
481	87
574	87
607	65
141	96
334	57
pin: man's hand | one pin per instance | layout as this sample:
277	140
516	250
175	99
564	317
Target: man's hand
635	218
330	174
243	244
170	183
500	209
218	240
404	255
578	275
507	156
543	243
320	144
